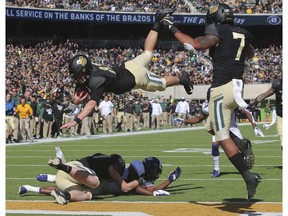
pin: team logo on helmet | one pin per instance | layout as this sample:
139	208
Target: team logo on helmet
213	9
82	61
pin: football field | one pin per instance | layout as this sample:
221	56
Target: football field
194	193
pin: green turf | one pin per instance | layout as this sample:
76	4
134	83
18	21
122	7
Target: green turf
188	149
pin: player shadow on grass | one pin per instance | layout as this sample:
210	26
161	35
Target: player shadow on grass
228	173
233	205
182	187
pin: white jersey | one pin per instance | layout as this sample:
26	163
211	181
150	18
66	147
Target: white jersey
233	124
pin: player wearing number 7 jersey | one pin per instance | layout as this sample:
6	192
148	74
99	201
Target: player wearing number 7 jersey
228	46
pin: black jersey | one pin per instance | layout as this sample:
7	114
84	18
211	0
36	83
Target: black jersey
100	164
229	54
102	79
277	86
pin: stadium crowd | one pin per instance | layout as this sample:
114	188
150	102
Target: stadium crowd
181	6
40	76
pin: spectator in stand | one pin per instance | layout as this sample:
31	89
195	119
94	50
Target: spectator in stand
25	113
194	109
182	109
9	120
195	6
164	115
33	122
106	109
146	108
48	119
120	106
156	113
138	113
39	117
58	111
171	112
129	114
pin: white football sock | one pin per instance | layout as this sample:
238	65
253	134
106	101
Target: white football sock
32	189
51	178
216	162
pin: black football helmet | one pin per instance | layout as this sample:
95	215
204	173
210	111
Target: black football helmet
80	68
153	168
220	14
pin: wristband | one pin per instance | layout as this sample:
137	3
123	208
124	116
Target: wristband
141	181
173	30
77	120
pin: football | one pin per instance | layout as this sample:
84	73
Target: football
82	91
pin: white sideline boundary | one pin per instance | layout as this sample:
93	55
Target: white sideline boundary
104	136
120	134
50	212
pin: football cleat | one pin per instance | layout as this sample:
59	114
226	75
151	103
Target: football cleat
60	154
56	162
252	185
22	190
186	82
163	13
247	153
42	177
215	174
59	196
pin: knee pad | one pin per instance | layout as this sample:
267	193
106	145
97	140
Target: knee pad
215	149
154	83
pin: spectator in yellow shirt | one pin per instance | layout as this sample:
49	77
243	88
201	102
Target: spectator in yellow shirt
25	112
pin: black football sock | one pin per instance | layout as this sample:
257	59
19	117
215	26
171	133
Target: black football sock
238	162
65	168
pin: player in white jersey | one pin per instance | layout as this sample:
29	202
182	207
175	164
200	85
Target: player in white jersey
244	145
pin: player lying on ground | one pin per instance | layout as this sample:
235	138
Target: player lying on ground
149	170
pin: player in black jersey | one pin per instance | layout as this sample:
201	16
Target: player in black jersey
132	74
150	169
228	46
276	89
76	179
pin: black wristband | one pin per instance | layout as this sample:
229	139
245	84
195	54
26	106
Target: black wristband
77	120
173	29
141	181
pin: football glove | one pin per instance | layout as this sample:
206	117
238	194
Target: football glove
258	132
174	175
141	181
267	126
168	21
178	121
161	193
190	48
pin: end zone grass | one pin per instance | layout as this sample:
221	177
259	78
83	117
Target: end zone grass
188	149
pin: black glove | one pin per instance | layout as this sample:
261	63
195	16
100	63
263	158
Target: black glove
168	21
141	181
